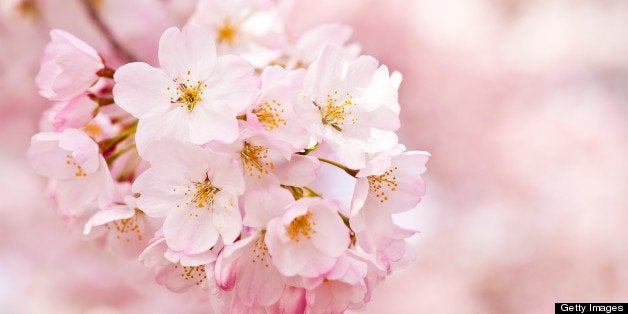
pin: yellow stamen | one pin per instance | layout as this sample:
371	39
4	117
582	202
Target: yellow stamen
269	115
301	226
380	186
187	94
227	32
256	158
337	112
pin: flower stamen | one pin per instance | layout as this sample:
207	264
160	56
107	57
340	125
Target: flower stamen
254	158
379	185
337	112
269	115
187	94
301	226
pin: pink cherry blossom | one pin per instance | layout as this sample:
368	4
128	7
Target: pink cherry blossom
340	288
127	229
251	29
376	233
177	277
398	188
273	112
195	95
308	45
75	113
68	68
195	190
245	268
264	160
343	101
308	238
72	160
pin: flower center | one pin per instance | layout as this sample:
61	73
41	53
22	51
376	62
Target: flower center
128	228
379	185
301	226
269	115
227	32
70	161
256	158
336	111
260	251
187	94
202	193
193	273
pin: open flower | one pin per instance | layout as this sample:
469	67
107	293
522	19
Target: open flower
344	102
397	189
265	160
195	95
68	68
306	48
342	287
196	191
308	238
251	29
379	195
126	228
179	276
80	173
245	267
273	112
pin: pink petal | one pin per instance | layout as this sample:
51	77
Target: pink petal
191	49
141	89
190	230
262	205
226	216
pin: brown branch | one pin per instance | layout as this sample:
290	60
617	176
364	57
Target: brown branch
92	12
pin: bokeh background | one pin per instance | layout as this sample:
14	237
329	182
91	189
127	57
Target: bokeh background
522	103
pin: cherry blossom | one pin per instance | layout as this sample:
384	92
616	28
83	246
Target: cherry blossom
251	29
71	159
308	45
245	267
398	188
126	229
209	167
195	95
308	238
264	161
68	68
177	277
195	190
341	287
343	101
273	112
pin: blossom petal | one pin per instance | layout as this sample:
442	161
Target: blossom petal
141	89
190	230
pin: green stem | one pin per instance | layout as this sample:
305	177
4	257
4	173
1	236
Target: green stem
311	192
309	150
111	142
348	170
119	153
296	191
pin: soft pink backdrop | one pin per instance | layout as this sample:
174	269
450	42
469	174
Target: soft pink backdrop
523	105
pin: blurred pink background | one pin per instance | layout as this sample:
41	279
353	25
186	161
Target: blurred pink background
523	105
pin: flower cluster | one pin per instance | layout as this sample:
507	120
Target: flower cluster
215	167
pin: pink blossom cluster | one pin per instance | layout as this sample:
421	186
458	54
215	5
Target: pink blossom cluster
204	167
